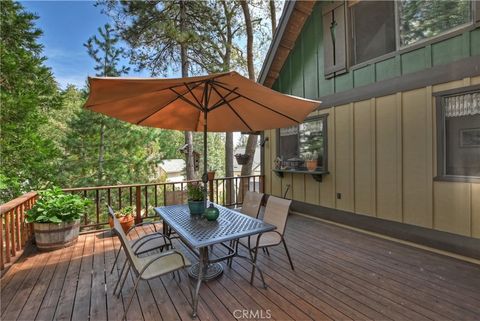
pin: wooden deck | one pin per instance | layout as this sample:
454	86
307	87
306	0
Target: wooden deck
339	275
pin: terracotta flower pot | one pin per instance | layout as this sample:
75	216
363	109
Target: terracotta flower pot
211	175
127	222
311	164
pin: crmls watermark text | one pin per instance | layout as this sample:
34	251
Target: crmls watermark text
252	314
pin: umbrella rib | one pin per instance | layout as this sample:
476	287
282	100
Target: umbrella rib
191	92
186	99
260	104
165	105
221	103
228	104
217	104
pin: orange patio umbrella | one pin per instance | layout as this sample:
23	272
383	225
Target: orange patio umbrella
224	102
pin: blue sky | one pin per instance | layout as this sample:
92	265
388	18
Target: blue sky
66	26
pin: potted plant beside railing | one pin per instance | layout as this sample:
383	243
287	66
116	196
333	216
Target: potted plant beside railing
56	218
126	216
196	198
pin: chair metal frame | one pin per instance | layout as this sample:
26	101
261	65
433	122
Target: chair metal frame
253	252
139	269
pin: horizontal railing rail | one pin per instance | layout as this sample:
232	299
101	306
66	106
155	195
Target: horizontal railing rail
227	191
14	232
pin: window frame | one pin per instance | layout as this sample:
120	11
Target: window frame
324	118
472	25
441	174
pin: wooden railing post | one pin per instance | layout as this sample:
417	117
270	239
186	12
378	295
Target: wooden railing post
138	204
210	189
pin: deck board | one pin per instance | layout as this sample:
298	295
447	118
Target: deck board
339	274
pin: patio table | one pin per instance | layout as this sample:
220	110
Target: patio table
198	234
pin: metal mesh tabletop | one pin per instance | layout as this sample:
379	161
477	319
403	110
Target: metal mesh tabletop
199	232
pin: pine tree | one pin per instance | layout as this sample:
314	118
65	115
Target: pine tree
27	91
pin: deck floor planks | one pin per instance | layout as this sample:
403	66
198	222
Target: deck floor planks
67	296
401	276
34	301
98	305
339	275
49	302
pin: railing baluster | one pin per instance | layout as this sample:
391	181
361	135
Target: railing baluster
181	192
138	204
165	195
156	195
97	205
12	232
2	264
119	198
23	225
17	231
109	197
131	196
146	200
85	217
7	237
216	192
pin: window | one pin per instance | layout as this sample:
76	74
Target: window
380	27
373	29
421	19
305	142
459	133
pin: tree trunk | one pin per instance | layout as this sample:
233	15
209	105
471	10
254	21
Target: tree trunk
101	153
190	166
273	16
252	139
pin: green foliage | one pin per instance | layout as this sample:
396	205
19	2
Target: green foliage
125	211
196	192
55	206
27	91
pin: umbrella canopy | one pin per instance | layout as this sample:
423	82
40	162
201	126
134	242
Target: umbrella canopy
223	102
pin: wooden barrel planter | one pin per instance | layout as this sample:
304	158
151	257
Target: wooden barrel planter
56	236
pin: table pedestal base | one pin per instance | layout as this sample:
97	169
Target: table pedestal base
213	271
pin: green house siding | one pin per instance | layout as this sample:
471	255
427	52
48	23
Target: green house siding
303	71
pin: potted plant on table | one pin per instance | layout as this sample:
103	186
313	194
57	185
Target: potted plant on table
196	198
56	218
126	216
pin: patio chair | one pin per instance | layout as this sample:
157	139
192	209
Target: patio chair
276	213
252	201
145	268
145	243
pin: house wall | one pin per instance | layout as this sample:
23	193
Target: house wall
382	150
382	160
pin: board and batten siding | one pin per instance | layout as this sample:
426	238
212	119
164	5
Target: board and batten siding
382	160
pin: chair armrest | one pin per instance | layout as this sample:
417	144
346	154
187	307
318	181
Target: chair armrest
149	237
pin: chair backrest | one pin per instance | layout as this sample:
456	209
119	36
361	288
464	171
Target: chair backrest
276	212
117	226
251	203
111	212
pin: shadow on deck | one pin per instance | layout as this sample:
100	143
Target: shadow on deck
339	275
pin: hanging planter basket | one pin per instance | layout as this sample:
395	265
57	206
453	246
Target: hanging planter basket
242	159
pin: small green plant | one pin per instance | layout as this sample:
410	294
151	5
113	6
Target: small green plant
55	206
125	211
196	192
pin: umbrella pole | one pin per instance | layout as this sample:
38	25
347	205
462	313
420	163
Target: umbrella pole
205	157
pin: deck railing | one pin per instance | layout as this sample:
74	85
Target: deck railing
14	232
227	191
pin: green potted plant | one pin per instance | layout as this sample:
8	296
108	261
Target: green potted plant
196	198
311	161
126	216
56	218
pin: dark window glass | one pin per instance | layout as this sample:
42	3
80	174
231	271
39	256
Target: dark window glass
421	19
462	134
373	29
306	142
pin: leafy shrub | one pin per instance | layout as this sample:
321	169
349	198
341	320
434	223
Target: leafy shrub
125	211
55	206
196	192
